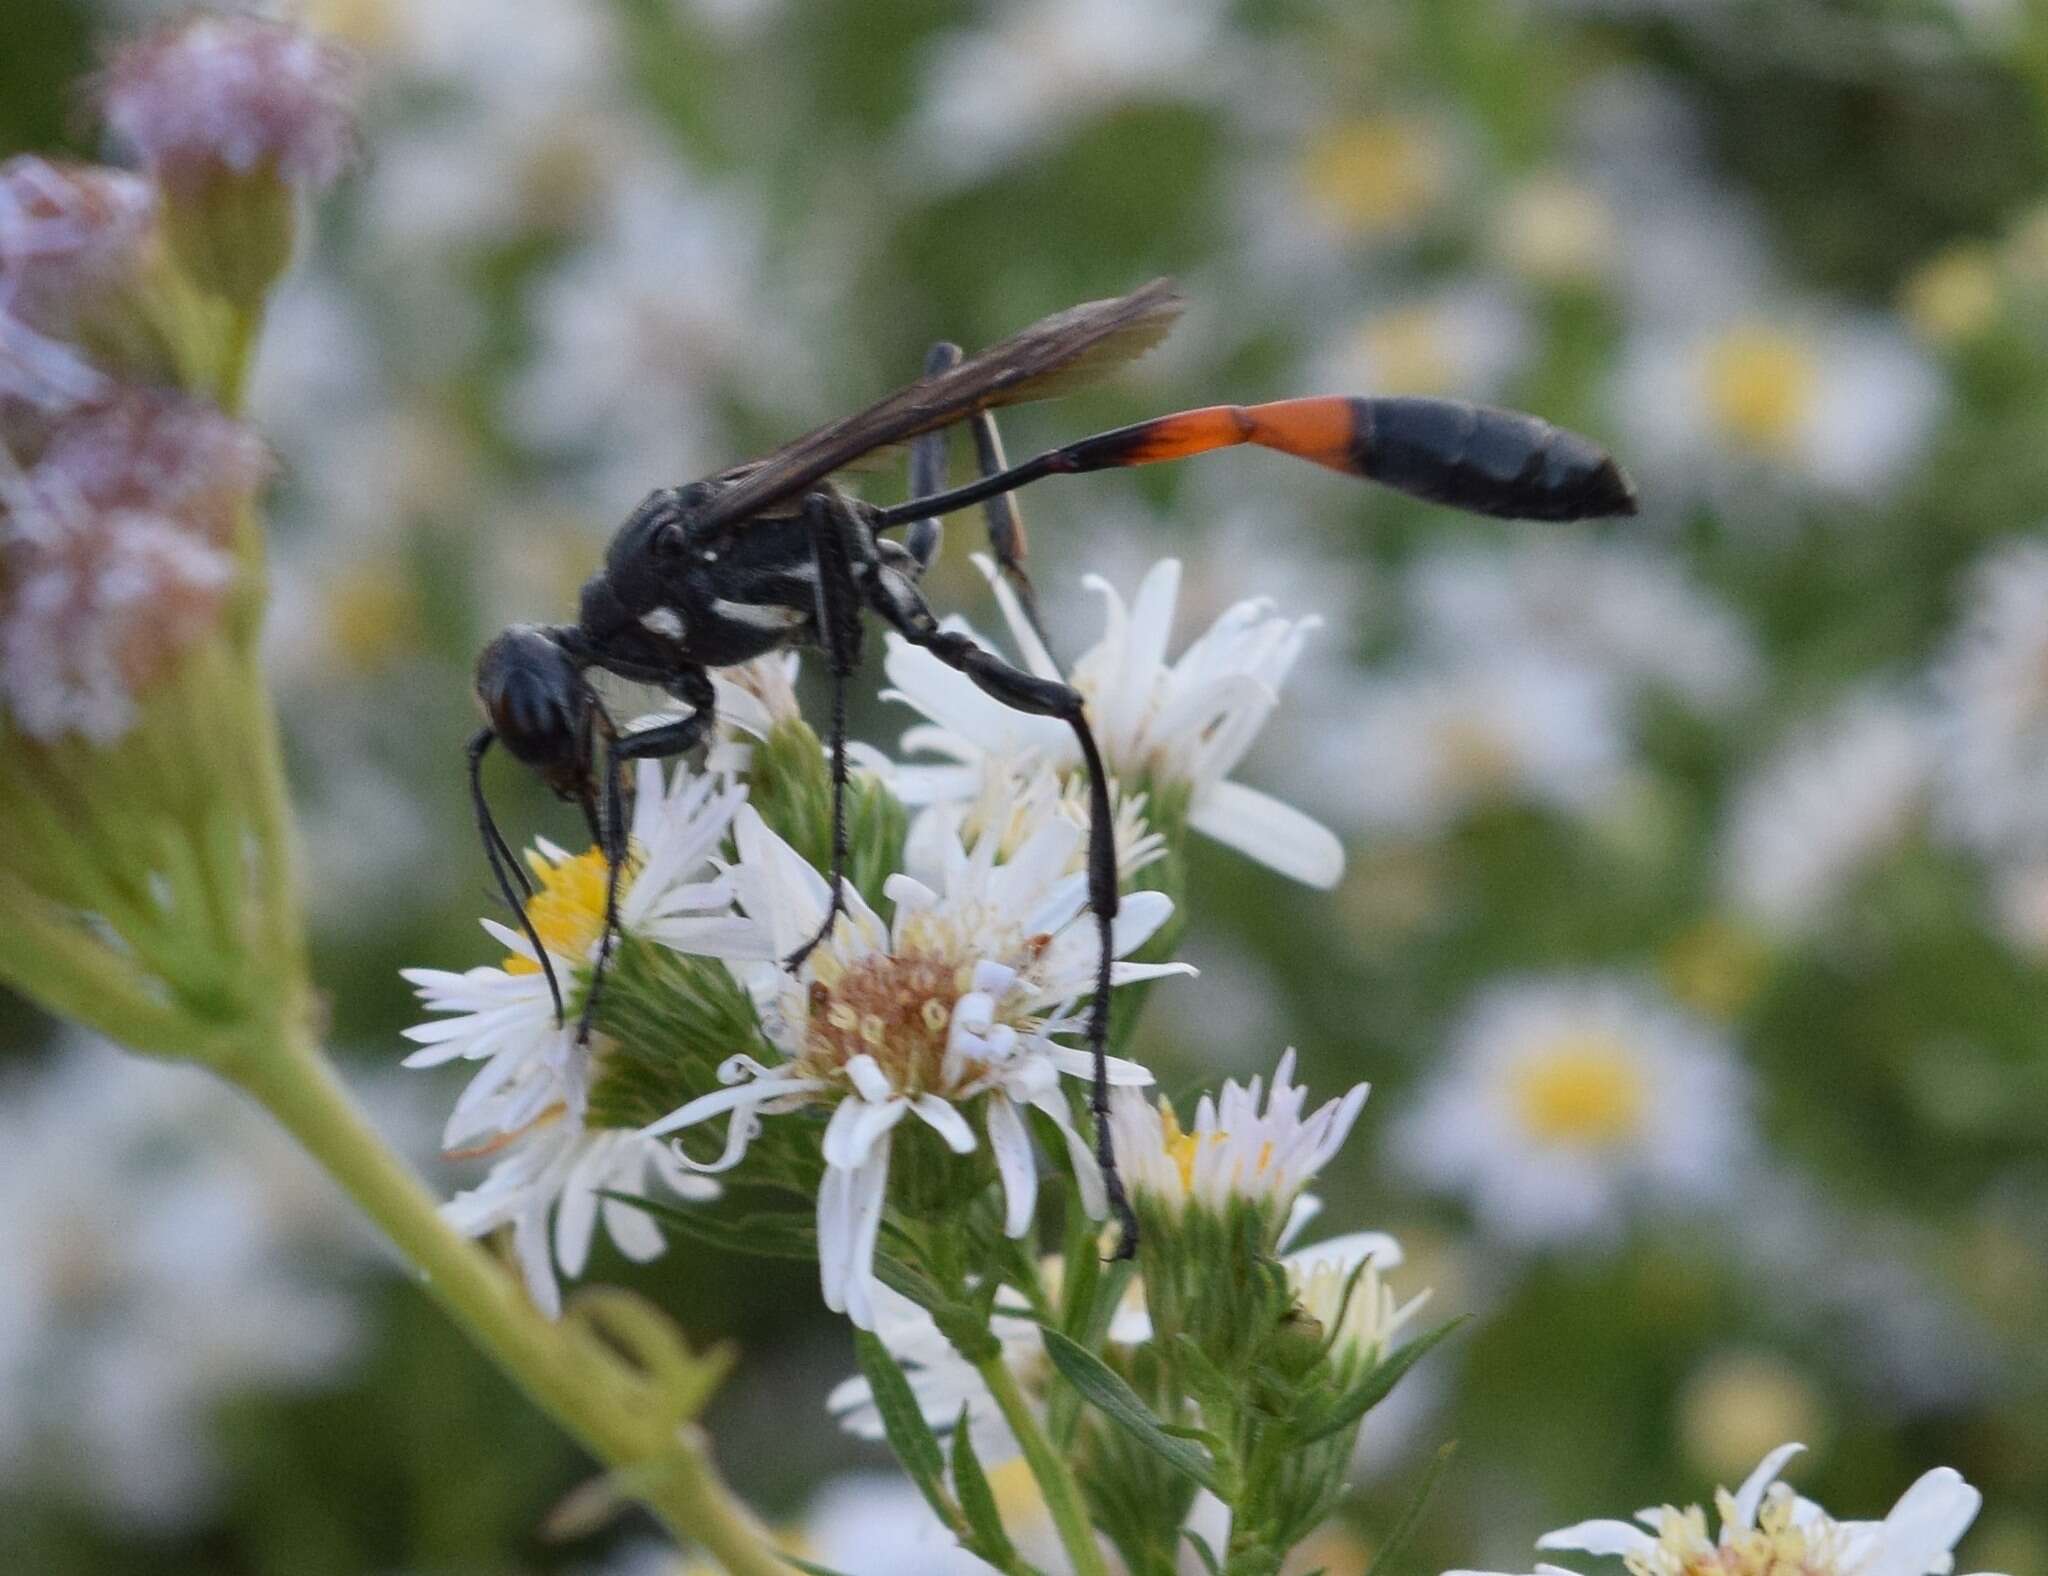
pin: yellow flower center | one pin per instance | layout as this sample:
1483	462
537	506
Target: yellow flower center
567	912
1773	1547
1738	1405
1473	755
1408	352
1374	174
1581	1089
372	614
897	1009
1716	967
1760	386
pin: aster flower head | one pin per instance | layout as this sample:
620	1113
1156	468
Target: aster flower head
1765	1528
950	1011
117	546
529	1106
1178	729
233	93
1992	717
1250	1144
1567	1103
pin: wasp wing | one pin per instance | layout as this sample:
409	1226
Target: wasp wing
1050	357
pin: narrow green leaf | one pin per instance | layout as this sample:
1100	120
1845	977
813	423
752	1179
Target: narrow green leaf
978	1501
1202	1550
903	1423
1108	1394
812	1567
1412	1516
1375	1387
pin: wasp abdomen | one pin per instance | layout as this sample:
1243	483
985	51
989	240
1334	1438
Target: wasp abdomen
1498	462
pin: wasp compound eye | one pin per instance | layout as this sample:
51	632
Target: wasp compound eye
537	702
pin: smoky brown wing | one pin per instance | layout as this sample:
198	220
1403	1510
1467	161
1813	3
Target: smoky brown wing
1050	357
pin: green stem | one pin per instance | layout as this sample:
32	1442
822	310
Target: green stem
578	1383
1055	1481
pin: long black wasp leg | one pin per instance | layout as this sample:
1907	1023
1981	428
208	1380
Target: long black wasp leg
891	594
1006	538
834	530
1004	520
928	468
512	883
613	827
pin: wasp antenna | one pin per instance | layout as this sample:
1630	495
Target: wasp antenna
505	868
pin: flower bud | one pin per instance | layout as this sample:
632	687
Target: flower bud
70	236
232	115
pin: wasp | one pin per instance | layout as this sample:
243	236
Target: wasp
773	554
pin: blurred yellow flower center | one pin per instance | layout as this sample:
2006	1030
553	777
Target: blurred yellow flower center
1408	352
1582	1089
1760	385
373	614
568	911
1773	1547
1372	174
1473	755
1716	967
1739	1404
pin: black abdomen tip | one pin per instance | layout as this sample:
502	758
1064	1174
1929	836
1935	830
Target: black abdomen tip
1489	461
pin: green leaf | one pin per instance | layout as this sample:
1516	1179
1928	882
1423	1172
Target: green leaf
1375	1387
1108	1394
811	1566
770	1234
903	1423
1405	1527
1203	1552
978	1502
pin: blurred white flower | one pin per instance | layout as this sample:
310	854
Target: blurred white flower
1840	793
527	1105
1182	727
1806	400
1463	340
995	92
1622	609
165	1248
1991	719
1566	1105
1766	1528
639	327
950	1009
1429	745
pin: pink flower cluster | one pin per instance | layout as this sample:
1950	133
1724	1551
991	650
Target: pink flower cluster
64	228
115	556
234	91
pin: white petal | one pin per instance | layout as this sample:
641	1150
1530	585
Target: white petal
1277	835
1751	1494
1010	1142
1925	1525
944	1118
1598	1537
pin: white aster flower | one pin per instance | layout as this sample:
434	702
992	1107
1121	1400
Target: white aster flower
1830	404
1622	609
1465	340
994	92
1767	1529
1992	721
1431	744
1183	726
1567	1103
950	1009
1246	1143
1843	791
527	1104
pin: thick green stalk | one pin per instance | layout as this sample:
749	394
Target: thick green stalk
585	1389
1055	1481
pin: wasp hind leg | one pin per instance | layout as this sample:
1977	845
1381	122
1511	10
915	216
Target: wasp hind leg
898	601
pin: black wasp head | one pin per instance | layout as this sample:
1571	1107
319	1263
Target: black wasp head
540	705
